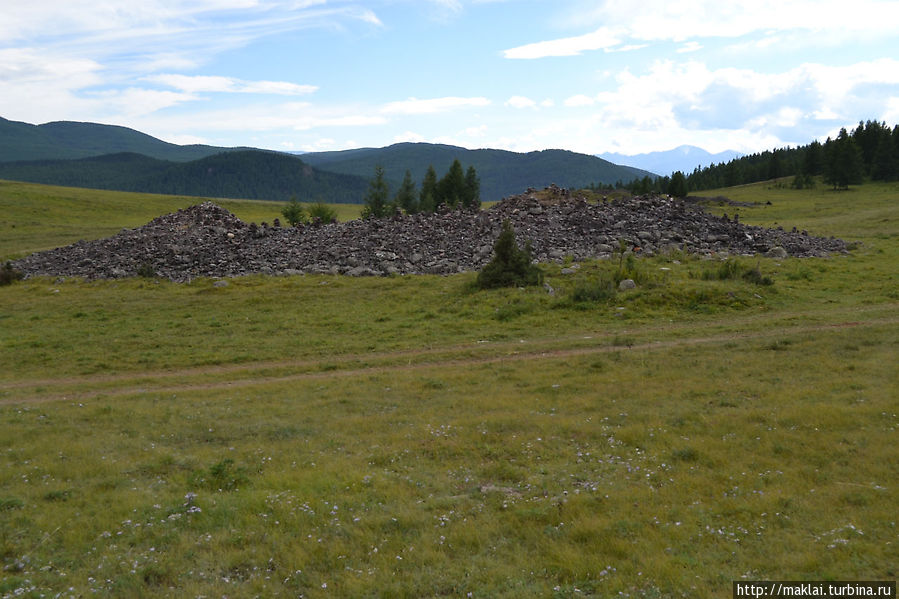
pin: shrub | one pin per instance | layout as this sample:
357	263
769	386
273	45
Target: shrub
221	476
294	212
8	274
599	291
732	270
755	276
510	266
146	271
323	212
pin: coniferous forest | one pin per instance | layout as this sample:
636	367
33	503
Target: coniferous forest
870	151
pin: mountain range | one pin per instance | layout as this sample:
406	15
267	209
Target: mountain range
102	156
502	173
63	140
681	158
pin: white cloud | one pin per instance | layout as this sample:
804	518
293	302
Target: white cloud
689	47
207	83
185	139
433	105
694	101
891	113
135	101
408	136
818	21
520	102
579	100
478	131
602	38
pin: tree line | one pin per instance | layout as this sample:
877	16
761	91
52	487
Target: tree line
456	188
870	151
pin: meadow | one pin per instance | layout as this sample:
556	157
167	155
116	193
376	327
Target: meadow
323	436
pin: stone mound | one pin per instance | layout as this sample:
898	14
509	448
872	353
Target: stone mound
208	241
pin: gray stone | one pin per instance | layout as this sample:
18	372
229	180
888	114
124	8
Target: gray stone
208	241
627	284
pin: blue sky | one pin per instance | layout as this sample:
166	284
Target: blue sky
600	76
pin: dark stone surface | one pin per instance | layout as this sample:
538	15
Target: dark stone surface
208	241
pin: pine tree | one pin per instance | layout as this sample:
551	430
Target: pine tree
406	198
510	266
843	161
813	160
294	212
472	197
428	198
775	166
451	189
677	187
886	163
376	204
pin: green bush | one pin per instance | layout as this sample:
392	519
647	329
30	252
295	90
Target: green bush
511	266
221	476
732	270
598	291
294	212
323	212
146	271
8	274
755	276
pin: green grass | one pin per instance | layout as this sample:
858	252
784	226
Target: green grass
40	217
327	436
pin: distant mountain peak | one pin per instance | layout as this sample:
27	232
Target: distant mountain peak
683	158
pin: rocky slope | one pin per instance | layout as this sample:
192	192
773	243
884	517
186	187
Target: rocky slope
206	240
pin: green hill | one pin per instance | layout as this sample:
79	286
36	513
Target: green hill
67	140
113	157
502	172
250	174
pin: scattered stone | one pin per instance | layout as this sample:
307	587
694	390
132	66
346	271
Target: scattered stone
627	284
208	241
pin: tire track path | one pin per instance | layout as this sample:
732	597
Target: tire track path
80	388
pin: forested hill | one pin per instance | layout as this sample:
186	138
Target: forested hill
502	173
67	140
119	158
871	150
250	174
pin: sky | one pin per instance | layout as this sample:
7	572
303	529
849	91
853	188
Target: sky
522	75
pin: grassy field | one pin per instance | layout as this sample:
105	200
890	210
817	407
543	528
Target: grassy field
324	436
41	217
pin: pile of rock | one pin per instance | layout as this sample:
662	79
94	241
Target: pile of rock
207	241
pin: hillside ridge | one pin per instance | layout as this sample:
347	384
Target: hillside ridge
502	172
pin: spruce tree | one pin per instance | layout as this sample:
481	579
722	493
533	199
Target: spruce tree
510	266
886	163
376	204
677	187
428	196
451	189
843	161
294	212
406	198
813	161
472	197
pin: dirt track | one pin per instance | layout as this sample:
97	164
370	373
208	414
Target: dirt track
234	376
